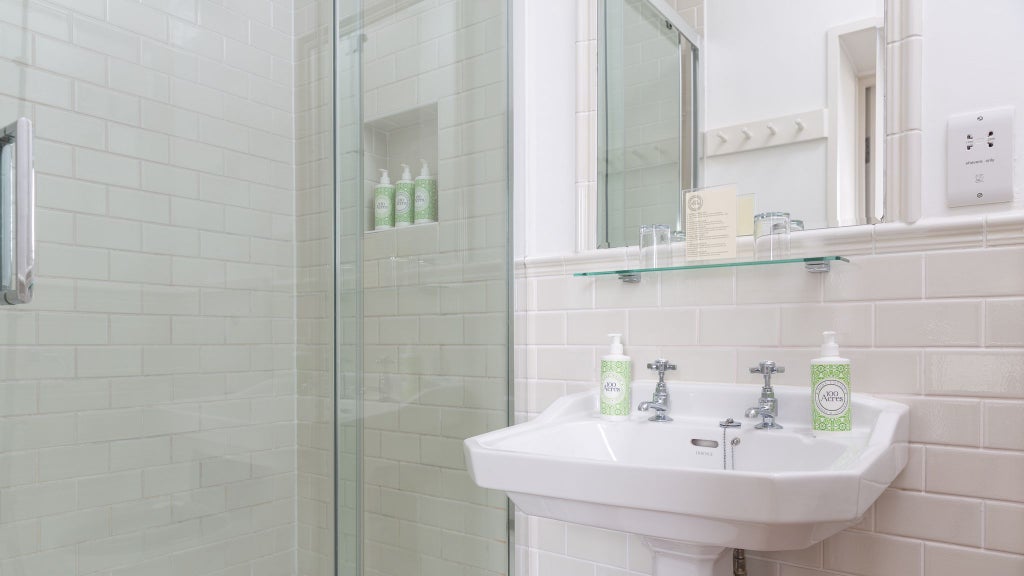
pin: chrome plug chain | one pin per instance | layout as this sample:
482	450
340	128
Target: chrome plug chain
725	425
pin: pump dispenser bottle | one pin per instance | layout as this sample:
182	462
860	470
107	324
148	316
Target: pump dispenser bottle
404	198
384	203
616	377
425	196
830	389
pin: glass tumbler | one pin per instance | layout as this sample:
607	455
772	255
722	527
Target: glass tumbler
655	246
771	236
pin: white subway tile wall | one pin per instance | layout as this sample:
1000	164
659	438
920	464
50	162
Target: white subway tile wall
314	305
950	351
148	392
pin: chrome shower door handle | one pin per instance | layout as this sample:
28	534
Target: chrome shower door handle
17	213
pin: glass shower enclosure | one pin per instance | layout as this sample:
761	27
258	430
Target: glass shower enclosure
224	369
423	311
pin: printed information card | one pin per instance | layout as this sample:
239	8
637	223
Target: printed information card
711	223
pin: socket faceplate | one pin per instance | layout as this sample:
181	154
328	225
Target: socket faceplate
979	157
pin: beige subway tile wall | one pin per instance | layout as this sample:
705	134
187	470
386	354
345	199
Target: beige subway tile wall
959	500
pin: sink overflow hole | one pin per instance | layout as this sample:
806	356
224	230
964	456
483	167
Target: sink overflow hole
704	443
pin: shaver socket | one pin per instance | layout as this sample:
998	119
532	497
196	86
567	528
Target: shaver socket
979	157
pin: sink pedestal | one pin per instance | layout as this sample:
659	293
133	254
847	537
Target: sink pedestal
674	558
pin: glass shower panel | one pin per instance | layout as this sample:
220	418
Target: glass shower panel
318	490
147	394
348	248
434	301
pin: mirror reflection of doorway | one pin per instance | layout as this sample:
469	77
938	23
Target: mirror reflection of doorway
854	98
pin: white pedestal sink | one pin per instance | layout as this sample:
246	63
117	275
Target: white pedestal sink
685	490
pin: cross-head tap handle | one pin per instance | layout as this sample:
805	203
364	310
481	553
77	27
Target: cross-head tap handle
767	367
661	365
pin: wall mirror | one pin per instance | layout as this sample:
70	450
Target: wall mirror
783	98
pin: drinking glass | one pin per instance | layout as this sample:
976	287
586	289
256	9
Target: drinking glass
655	246
771	236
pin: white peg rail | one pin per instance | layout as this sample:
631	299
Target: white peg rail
779	131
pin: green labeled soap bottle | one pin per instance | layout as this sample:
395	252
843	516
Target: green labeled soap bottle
404	199
616	380
424	196
830	389
384	203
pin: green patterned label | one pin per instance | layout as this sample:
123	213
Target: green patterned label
403	202
425	200
615	387
384	207
830	402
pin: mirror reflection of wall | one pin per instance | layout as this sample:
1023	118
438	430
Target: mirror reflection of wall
647	103
769	60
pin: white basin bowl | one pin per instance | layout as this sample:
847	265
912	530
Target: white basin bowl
780	489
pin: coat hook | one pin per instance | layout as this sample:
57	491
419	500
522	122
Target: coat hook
721	137
800	125
746	133
772	129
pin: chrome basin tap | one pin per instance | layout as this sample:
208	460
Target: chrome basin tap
660	402
767	406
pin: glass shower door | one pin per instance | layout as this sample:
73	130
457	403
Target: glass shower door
423	338
147	393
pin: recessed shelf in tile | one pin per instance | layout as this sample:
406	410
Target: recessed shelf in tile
402	138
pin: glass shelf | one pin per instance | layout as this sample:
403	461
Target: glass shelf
811	264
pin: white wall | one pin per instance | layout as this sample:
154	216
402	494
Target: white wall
972	59
147	395
546	118
767	59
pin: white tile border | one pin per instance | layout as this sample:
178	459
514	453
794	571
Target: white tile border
904	54
933	234
1004	229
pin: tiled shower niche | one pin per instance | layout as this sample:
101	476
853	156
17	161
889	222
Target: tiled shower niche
395	139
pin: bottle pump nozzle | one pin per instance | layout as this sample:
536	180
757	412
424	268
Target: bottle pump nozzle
384	178
829	347
616	347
